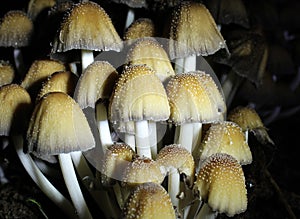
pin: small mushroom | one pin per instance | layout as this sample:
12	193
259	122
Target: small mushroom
248	119
177	160
221	183
149	200
140	28
225	137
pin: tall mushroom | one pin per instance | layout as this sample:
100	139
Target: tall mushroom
193	32
139	96
16	30
14	110
87	27
59	127
194	99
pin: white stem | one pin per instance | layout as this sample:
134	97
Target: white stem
103	126
130	17
197	134
186	136
41	181
130	140
189	63
19	61
206	213
179	66
153	138
247	135
174	186
87	58
142	138
73	187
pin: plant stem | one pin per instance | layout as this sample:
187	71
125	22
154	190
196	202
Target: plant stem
73	186
142	138
41	181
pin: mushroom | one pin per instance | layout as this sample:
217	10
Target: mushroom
224	137
60	81
38	72
248	119
149	200
139	96
140	28
59	127
194	99
193	32
140	170
148	51
16	30
14	109
94	88
177	160
7	73
221	184
110	174
87	27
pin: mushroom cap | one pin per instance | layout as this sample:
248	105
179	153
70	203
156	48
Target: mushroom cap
226	137
193	31
149	201
140	28
115	160
96	82
39	71
194	97
87	26
139	95
58	125
16	29
141	170
248	119
221	183
61	81
7	73
14	109
149	52
177	157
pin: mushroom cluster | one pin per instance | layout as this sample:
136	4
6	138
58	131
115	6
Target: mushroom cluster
133	117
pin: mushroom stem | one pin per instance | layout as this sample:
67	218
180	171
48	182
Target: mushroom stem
103	126
19	62
174	186
186	64
186	136
230	86
142	138
73	186
130	17
153	138
87	58
197	134
41	181
130	140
